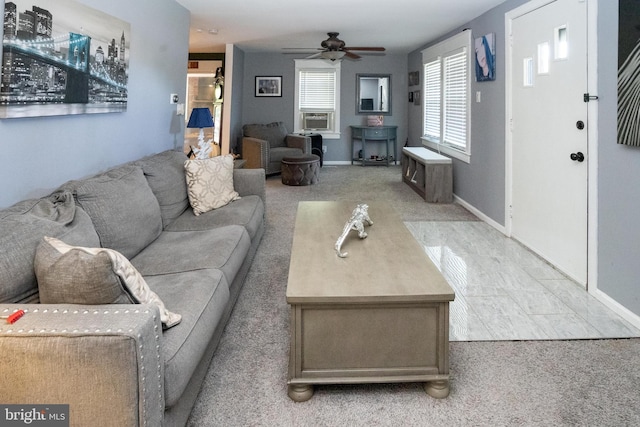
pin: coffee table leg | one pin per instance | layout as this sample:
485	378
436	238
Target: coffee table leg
300	392
438	389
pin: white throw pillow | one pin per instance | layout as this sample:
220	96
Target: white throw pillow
129	277
210	183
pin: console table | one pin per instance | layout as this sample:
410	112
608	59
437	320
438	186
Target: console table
376	134
379	315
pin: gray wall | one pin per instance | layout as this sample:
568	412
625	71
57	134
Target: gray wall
38	154
481	182
618	179
265	110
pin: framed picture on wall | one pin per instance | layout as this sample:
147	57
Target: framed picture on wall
485	47
414	78
268	86
61	57
628	76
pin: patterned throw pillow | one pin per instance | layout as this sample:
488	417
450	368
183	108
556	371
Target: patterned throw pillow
77	275
210	183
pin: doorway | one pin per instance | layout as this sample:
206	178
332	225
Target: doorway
547	132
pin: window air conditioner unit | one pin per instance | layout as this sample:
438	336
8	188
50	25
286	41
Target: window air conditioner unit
315	121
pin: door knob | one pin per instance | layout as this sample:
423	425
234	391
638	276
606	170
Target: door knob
577	157
580	124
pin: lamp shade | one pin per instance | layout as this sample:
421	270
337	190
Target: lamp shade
200	118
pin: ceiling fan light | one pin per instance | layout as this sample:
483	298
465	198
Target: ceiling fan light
333	54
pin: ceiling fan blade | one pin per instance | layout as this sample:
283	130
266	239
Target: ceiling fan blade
315	55
302	48
351	55
373	49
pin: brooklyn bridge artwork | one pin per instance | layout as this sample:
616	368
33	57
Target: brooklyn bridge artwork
61	57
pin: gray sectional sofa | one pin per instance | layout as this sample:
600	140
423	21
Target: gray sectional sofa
113	363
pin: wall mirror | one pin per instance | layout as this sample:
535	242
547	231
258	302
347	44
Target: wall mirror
373	94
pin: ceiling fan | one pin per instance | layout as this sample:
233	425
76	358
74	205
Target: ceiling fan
333	48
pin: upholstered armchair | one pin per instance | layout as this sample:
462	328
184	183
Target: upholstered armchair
264	146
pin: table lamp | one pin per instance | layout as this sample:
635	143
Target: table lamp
201	118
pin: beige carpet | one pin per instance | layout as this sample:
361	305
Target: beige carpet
536	383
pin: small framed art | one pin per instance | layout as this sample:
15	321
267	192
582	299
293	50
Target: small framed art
268	86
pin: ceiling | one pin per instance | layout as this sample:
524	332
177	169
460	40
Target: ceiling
400	26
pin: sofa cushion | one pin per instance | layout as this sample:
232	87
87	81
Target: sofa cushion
201	297
165	175
210	183
79	275
274	133
22	227
247	212
223	248
124	211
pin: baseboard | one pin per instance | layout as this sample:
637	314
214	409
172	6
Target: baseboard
501	228
335	163
348	163
616	307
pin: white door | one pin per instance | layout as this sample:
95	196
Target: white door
549	134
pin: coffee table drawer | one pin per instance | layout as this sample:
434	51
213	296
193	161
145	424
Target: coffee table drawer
373	341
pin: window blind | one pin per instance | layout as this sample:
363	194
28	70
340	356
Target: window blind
432	93
446	99
317	90
455	99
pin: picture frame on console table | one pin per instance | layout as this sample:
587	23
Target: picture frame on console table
268	86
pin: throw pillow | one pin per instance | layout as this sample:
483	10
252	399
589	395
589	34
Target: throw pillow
210	183
76	275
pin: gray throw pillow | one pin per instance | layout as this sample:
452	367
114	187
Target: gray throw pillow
78	275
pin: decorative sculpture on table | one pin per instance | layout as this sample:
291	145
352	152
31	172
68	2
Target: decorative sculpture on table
359	217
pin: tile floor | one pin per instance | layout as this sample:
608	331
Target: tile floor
505	292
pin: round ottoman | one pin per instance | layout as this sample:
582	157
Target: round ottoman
300	170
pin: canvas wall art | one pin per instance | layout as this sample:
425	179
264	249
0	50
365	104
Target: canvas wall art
629	73
485	48
61	57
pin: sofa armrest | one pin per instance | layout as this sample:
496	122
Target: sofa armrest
299	141
250	181
256	152
104	361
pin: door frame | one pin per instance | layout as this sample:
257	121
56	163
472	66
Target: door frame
592	129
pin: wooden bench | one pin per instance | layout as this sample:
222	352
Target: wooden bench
428	173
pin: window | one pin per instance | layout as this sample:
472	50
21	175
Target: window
543	58
447	85
318	97
561	44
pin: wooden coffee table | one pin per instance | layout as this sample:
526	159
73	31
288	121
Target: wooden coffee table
379	315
